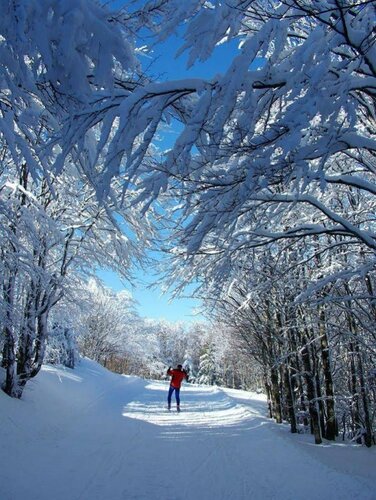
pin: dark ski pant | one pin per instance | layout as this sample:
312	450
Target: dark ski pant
177	395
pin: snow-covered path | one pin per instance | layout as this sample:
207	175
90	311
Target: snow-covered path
88	434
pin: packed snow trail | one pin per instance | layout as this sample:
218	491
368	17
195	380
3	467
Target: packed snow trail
88	434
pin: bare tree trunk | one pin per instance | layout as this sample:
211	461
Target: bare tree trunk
40	342
331	420
365	400
276	396
26	338
290	399
10	385
355	411
269	396
311	394
362	380
320	402
295	337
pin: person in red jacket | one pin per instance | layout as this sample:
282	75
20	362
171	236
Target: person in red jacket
177	376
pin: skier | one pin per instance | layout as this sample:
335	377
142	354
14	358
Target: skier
177	376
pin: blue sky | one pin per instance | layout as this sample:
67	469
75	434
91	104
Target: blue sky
167	66
151	302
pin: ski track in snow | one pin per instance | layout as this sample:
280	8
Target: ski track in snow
88	434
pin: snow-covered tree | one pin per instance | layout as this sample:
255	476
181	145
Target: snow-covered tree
107	322
273	172
52	233
207	370
52	55
314	351
62	346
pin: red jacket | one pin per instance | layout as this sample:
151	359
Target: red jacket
177	377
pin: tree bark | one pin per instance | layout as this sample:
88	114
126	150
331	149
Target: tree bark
365	400
331	420
367	433
26	338
276	396
311	394
290	399
269	396
10	385
355	411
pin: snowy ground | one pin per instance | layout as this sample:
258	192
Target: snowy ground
88	434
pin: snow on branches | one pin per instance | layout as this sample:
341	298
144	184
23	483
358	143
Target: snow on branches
281	146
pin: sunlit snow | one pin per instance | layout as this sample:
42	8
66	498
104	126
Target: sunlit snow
88	434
